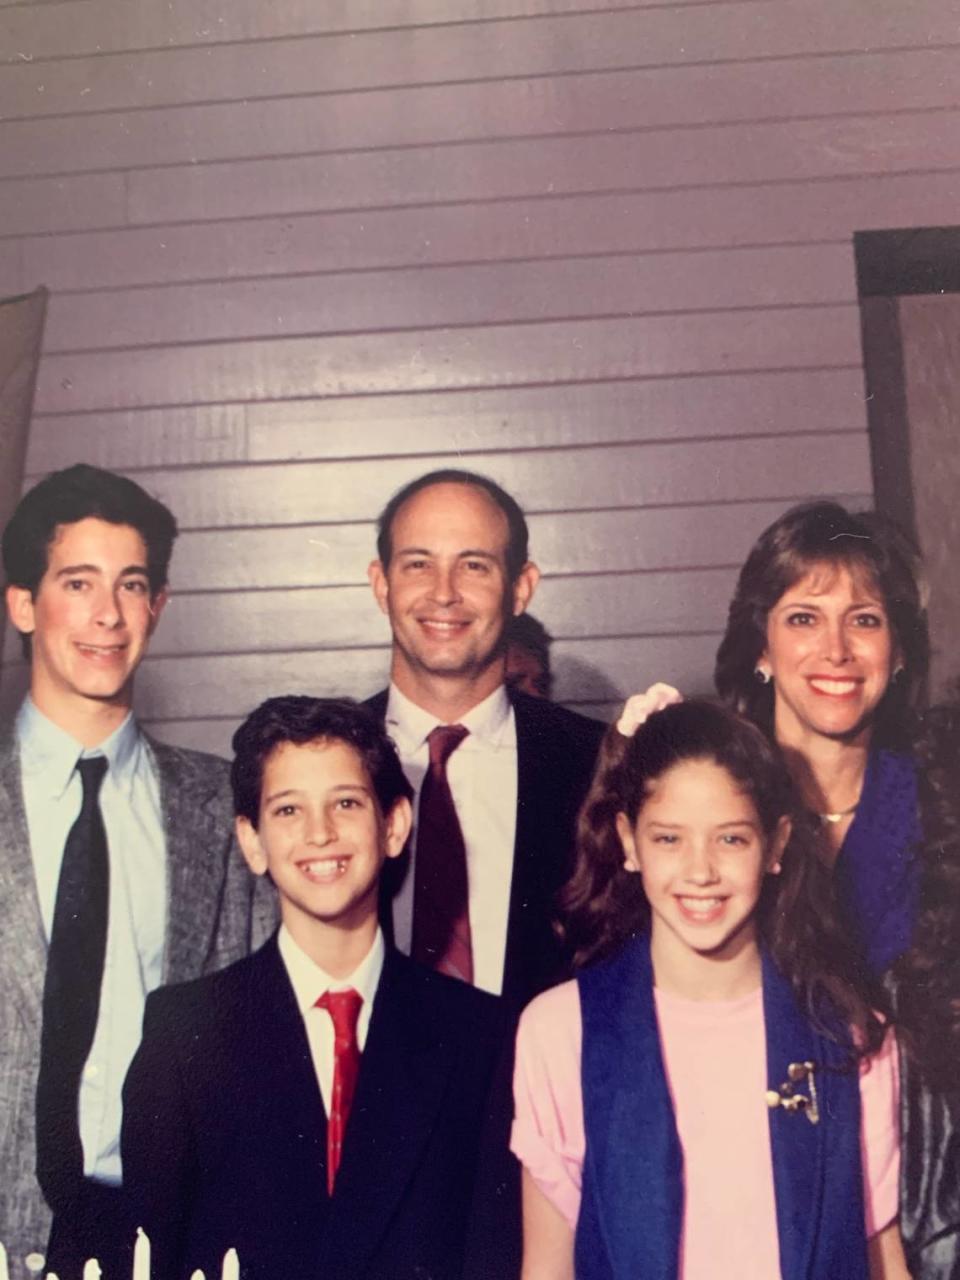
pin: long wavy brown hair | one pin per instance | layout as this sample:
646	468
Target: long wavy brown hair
603	904
927	977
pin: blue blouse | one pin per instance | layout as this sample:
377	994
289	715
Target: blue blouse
878	869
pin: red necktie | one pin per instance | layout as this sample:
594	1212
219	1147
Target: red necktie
344	1009
441	917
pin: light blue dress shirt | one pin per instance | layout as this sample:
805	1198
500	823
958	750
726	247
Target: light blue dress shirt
130	804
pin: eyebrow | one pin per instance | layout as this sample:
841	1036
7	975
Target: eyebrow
469	553
95	568
299	791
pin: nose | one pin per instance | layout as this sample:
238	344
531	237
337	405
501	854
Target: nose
109	612
443	588
321	828
700	868
836	642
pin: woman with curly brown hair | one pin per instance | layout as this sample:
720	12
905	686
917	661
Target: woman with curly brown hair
827	649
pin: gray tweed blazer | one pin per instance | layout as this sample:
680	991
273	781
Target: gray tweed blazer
214	914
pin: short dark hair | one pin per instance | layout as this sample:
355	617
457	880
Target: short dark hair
528	633
300	719
518	536
78	493
818	533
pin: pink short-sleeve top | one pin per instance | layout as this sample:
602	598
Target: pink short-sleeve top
715	1060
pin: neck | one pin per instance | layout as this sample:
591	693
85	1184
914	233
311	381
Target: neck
446	697
828	772
86	719
337	950
680	971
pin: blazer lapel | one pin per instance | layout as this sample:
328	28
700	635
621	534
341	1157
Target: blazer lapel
195	863
406	1062
633	1152
796	1143
23	946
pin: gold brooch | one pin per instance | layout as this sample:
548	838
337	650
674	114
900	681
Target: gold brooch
788	1097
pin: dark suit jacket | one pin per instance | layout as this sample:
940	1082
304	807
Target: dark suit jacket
556	753
224	1132
210	907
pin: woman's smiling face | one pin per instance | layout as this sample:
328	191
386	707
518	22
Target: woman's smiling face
831	653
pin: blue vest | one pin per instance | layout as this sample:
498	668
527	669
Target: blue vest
632	1200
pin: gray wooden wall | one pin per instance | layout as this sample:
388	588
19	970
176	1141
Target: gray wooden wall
300	252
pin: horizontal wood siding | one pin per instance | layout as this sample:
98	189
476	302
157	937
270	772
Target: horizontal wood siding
300	253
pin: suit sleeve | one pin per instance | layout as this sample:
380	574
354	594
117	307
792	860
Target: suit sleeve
157	1149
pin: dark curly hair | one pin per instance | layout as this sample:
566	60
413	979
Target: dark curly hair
603	904
300	719
927	978
866	544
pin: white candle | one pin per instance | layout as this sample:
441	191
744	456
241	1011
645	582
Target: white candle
141	1256
231	1266
198	1275
91	1270
4	1273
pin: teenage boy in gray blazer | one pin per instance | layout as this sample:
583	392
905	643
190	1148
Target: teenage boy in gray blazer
157	894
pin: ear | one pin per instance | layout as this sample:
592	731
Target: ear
157	606
377	576
20	609
396	827
251	847
781	838
524	587
628	842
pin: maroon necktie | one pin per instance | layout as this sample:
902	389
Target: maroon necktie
344	1009
441	918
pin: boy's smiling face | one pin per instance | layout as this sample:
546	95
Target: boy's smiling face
322	837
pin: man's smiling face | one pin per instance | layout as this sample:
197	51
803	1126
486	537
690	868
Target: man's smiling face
446	589
90	617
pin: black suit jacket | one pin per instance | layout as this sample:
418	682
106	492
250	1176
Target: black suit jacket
224	1131
556	753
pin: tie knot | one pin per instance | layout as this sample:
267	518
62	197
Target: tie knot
443	741
92	771
344	1009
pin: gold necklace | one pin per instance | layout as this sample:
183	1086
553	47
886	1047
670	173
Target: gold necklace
834	818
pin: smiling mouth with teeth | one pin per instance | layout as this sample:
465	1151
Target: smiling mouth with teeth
838	688
324	869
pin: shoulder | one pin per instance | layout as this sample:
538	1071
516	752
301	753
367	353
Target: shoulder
185	763
377	704
446	997
556	1011
546	719
187	1003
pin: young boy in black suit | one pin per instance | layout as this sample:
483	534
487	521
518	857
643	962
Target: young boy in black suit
318	1105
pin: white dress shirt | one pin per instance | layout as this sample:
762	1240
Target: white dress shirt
136	923
482	774
310	982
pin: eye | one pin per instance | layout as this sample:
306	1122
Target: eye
869	621
284	810
415	565
75	584
135	587
800	618
732	838
349	802
477	566
666	837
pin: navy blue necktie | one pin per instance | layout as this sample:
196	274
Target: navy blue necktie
71	991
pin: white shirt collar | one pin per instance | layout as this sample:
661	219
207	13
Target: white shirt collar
309	981
49	752
487	721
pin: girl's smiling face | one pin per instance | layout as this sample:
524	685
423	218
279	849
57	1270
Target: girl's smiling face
700	847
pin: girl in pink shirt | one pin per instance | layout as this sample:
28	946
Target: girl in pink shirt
714	1097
